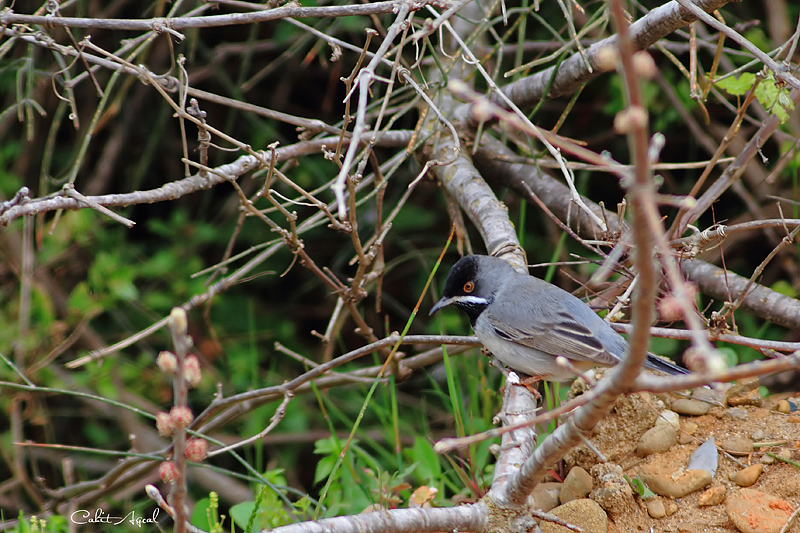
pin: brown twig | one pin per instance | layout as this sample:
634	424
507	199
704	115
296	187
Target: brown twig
173	24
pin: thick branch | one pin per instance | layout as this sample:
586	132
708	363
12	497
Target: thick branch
464	518
555	194
727	286
710	279
179	23
552	449
192	184
460	178
464	183
658	23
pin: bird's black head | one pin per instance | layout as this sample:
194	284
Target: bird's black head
472	284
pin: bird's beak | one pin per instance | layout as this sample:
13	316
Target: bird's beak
444	302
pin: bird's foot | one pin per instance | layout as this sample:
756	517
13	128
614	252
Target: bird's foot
532	384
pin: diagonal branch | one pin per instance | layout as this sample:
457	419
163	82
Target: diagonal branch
710	279
472	517
573	72
192	184
8	17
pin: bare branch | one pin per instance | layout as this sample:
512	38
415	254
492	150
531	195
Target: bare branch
8	18
472	517
710	279
190	185
572	72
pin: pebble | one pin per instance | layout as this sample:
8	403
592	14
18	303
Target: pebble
788	406
655	507
668	417
604	472
712	496
717	412
745	392
657	439
577	484
736	413
793	419
737	445
672	507
665	482
613	492
685	406
753	511
748	476
758	435
545	496
687	430
584	513
751	398
714	396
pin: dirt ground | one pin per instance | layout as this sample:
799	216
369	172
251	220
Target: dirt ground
770	430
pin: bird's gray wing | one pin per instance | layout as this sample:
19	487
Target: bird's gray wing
563	329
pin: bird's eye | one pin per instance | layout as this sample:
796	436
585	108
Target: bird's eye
469	286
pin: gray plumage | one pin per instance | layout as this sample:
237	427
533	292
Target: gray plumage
526	322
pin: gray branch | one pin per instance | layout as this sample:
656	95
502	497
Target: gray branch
572	72
192	184
464	518
8	18
710	279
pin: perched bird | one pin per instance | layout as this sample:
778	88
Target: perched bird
527	322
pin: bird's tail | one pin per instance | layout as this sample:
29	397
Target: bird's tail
653	362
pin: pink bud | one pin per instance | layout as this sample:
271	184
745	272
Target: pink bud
168	472
181	417
167	362
164	424
191	370
196	449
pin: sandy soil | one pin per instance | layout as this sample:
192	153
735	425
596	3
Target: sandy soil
617	436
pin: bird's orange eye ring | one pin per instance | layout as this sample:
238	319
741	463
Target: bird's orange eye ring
469	286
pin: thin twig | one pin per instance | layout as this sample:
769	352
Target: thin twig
69	190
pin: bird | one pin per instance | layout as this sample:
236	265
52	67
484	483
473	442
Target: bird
527	323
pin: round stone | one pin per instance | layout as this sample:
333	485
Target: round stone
753	511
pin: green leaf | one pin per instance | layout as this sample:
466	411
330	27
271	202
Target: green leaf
109	275
199	516
737	86
123	288
240	513
303	508
82	302
429	469
641	489
774	96
269	514
324	468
